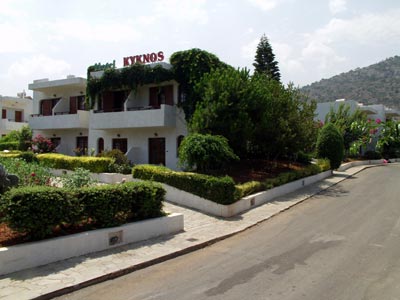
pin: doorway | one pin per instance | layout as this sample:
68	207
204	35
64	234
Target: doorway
157	151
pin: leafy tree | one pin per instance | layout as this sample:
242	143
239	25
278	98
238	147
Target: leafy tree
352	125
258	115
265	60
223	110
23	137
189	67
330	145
389	139
205	152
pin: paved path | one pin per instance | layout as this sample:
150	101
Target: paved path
200	230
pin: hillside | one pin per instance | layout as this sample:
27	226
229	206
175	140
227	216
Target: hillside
378	83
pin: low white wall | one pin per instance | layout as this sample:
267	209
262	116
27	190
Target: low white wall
29	255
189	200
344	167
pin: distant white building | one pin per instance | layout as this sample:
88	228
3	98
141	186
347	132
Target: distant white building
15	112
373	112
146	124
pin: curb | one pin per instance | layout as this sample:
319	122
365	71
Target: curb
181	252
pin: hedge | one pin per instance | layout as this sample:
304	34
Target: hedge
61	161
252	187
9	146
38	210
218	189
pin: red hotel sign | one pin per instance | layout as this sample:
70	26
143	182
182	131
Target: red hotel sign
144	58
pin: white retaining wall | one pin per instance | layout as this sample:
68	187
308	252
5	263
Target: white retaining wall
344	167
189	200
29	255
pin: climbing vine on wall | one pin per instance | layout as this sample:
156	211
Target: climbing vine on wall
127	78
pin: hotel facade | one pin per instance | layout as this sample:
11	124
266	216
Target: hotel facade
15	112
144	122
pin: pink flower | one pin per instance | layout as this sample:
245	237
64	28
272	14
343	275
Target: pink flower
378	121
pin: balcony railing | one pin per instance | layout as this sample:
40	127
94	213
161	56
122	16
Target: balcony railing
134	117
60	120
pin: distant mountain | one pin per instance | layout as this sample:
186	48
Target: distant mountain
375	84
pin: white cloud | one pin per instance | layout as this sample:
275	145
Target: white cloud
265	5
7	9
102	32
38	66
182	11
15	38
248	51
337	6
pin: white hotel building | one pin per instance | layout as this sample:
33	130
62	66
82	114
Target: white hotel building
145	124
15	112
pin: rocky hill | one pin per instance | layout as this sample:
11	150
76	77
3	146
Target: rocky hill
375	84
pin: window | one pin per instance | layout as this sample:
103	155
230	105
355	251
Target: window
47	105
161	95
4	114
56	141
100	145
121	144
81	145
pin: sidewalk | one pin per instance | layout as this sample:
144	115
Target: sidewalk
200	230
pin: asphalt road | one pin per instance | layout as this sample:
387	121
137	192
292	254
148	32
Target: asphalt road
341	244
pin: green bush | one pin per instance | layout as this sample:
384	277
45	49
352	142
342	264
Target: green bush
330	145
29	173
9	146
249	188
252	187
218	189
60	161
78	179
111	205
37	210
205	152
28	156
121	163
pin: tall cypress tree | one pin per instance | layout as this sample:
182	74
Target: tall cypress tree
265	60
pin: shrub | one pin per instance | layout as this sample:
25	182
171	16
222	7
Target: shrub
205	152
9	146
60	161
28	156
40	144
111	205
78	179
121	163
29	173
249	188
304	158
37	210
323	164
218	189
330	145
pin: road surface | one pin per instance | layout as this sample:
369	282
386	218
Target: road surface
341	244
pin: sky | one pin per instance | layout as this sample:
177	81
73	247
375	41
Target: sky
311	39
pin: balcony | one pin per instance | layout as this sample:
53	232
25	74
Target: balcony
60	121
134	117
9	125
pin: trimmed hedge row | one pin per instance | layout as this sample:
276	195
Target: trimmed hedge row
252	187
38	210
60	161
218	189
9	146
